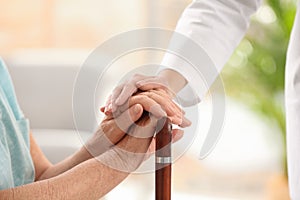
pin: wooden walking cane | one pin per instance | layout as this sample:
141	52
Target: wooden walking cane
163	161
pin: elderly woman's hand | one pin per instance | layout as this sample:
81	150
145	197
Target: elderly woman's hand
134	148
115	125
131	150
112	130
157	101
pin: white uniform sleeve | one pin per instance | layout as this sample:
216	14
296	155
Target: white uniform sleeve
292	107
217	26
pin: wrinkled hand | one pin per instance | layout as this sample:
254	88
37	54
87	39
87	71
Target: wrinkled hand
160	95
111	130
138	82
133	149
114	126
161	105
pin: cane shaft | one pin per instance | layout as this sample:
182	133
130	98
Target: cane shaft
163	163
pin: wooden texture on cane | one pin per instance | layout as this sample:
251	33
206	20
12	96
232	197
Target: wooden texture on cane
163	171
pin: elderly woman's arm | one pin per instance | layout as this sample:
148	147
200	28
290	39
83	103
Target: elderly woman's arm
83	177
95	177
108	134
91	179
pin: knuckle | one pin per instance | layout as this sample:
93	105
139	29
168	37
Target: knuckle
141	98
149	94
135	99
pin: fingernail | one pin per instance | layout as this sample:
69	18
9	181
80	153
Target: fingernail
177	136
102	109
186	122
105	109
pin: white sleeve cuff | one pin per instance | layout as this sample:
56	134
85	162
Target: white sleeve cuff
198	84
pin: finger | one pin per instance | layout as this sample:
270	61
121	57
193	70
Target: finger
164	100
167	95
135	78
145	128
108	101
185	122
154	83
117	128
128	91
128	117
179	116
158	106
151	86
174	112
124	91
148	104
111	130
102	109
177	134
135	141
115	94
108	109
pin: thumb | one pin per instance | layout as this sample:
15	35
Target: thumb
129	117
144	129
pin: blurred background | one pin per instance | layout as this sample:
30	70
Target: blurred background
44	42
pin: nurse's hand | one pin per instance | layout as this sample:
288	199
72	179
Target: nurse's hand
159	103
168	80
138	82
